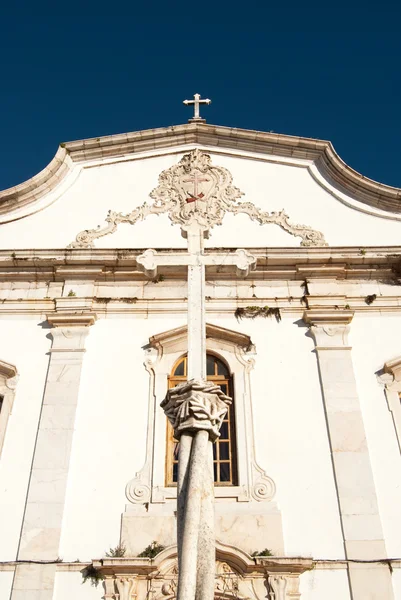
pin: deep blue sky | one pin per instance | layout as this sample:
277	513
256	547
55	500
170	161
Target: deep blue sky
87	74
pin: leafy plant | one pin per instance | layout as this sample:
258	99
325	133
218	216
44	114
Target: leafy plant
251	312
71	293
158	278
94	575
152	550
265	552
117	552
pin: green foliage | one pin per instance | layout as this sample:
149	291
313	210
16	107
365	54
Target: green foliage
152	550
71	293
158	278
117	552
251	312
265	552
94	575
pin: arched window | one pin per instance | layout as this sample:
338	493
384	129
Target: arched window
224	449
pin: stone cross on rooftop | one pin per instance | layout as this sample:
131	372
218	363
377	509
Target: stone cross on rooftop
196	102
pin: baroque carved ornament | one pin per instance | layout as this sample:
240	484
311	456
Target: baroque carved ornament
195	191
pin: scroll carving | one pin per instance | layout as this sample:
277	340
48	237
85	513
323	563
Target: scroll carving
138	489
194	190
278	587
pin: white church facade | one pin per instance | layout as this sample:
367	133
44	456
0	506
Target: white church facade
105	290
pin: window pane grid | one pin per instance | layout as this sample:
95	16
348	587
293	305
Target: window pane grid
223	455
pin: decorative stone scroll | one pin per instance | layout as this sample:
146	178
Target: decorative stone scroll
195	191
120	588
196	405
237	576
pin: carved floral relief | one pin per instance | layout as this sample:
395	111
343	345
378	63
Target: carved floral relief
195	191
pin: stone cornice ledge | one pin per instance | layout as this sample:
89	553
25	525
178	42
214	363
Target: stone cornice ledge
328	317
370	192
66	319
8	371
394	368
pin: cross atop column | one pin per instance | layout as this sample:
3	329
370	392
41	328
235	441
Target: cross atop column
196	410
196	102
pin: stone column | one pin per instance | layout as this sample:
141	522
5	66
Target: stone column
41	528
359	513
196	410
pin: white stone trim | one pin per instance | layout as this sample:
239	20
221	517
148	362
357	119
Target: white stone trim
42	521
148	485
392	387
8	383
360	518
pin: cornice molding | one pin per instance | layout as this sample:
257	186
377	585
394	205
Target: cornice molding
394	368
212	331
328	317
7	370
67	319
82	152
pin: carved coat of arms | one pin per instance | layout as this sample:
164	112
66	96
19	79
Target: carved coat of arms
196	190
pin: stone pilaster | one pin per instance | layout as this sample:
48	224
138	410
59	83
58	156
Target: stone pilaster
41	529
360	519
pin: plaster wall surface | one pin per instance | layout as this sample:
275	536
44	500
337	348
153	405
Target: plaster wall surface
374	341
69	585
110	433
109	440
25	345
397	583
6	580
324	584
290	435
125	185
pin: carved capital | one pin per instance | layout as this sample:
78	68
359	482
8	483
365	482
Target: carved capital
70	331
70	320
120	587
126	587
284	585
194	406
278	586
329	328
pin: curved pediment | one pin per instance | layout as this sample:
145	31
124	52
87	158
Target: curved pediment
173	337
319	156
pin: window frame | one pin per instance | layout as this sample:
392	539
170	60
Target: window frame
147	486
8	382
